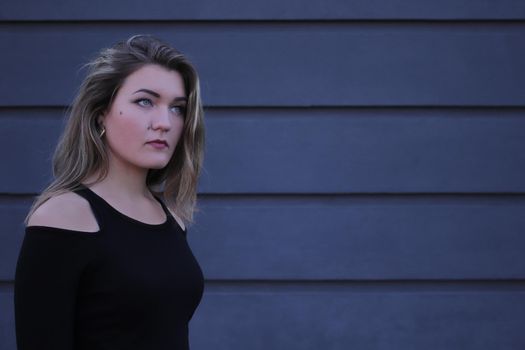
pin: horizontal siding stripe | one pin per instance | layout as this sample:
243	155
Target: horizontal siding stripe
361	199
269	9
324	239
362	286
316	150
60	111
362	64
276	287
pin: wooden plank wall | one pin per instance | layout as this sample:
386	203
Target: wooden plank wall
365	169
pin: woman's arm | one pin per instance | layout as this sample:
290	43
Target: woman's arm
48	270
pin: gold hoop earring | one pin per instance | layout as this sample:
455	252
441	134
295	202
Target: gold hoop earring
103	131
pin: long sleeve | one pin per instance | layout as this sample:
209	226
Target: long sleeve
48	271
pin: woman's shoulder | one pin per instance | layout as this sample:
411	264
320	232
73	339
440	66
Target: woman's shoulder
67	211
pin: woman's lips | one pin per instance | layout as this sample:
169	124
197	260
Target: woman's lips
158	144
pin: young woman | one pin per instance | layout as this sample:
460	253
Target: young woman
105	263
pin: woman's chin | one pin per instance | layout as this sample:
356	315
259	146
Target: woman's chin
158	163
158	166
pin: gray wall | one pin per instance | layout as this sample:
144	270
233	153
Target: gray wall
364	176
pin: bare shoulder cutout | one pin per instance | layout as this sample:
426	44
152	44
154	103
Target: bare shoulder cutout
179	220
67	211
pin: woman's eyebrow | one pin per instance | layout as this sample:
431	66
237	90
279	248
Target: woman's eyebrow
157	95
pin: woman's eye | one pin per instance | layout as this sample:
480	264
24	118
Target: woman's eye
179	110
144	102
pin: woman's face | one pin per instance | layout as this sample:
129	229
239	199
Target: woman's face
149	106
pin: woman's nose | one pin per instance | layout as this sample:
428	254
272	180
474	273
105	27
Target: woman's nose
162	119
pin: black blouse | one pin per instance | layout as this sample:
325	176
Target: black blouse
130	285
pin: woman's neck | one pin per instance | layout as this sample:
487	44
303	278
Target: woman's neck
123	182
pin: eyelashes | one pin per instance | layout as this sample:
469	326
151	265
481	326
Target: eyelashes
146	102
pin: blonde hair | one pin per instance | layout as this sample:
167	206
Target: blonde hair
80	151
